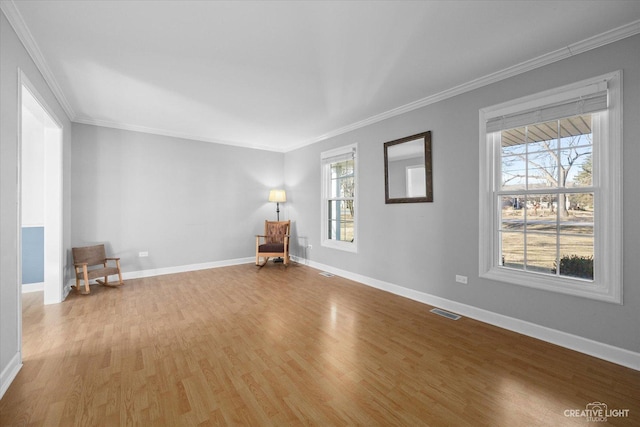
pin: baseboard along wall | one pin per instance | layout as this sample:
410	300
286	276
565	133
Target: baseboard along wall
617	355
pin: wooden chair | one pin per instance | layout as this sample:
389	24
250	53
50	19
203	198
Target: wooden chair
91	256
275	242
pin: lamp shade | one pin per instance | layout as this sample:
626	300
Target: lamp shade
279	196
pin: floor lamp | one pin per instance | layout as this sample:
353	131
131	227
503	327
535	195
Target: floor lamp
278	196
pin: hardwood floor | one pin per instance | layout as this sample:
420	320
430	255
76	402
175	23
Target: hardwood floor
273	346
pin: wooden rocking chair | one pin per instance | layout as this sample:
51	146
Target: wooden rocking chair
276	242
90	256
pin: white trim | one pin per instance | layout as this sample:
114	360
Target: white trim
620	356
549	97
340	151
324	241
18	284
607	157
32	287
53	202
172	270
32	225
340	245
186	268
53	195
611	36
20	27
10	372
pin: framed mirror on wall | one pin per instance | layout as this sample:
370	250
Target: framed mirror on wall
407	169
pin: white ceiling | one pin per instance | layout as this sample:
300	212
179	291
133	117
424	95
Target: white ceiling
280	75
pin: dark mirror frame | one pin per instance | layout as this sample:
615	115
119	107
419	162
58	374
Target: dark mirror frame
426	137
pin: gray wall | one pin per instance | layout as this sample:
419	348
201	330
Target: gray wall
423	246
13	56
185	202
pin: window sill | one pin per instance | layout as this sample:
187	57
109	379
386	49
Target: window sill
569	286
343	246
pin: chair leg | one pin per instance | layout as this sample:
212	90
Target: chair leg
119	272
257	253
86	280
77	280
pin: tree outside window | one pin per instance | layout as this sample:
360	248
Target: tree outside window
339	198
547	197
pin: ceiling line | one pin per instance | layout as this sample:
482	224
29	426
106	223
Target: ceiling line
17	22
599	40
163	132
14	17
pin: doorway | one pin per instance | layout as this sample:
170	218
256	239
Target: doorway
40	189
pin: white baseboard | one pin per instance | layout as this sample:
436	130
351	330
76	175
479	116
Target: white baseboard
185	268
170	270
607	352
32	287
9	373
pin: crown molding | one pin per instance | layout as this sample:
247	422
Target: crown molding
14	17
628	30
164	132
594	42
616	34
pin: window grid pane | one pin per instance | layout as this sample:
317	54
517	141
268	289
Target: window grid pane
340	201
342	180
341	220
542	226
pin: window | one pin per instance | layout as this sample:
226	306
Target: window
550	190
339	201
416	184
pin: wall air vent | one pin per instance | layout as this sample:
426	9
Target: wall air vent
446	314
327	274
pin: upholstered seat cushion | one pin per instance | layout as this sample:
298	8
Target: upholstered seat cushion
271	247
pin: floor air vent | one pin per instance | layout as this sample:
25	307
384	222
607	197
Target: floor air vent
446	314
327	274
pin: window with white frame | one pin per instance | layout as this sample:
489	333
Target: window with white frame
550	190
339	201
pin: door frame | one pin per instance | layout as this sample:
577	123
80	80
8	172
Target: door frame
53	216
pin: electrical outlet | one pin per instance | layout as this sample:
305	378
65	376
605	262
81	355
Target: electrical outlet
461	279
309	246
143	254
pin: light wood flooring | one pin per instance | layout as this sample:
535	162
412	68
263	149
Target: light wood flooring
286	346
